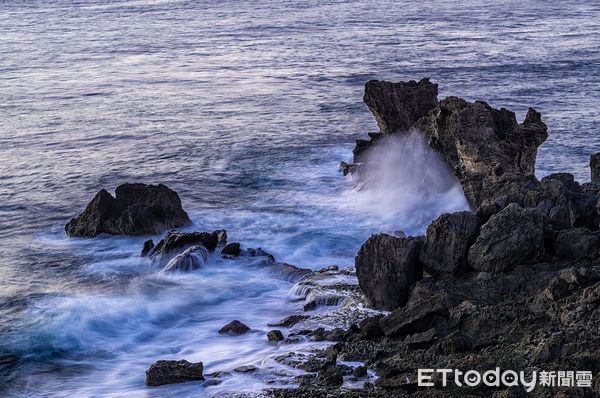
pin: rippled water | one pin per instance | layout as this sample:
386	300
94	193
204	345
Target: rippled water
245	109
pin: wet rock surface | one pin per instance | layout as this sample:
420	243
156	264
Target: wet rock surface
170	372
234	327
136	209
176	241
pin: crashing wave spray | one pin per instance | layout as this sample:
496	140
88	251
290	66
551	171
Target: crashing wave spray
407	184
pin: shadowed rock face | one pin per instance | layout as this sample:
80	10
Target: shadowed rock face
386	267
170	372
511	237
397	106
136	209
479	142
447	243
595	166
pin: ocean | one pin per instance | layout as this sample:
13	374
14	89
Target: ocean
246	110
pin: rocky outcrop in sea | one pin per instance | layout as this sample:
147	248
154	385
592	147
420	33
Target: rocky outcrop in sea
514	284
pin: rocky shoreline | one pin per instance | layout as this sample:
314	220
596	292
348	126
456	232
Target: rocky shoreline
513	284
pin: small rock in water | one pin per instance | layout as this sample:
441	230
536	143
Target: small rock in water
148	245
232	250
290	321
234	328
275	335
169	372
331	268
178	241
246	369
191	259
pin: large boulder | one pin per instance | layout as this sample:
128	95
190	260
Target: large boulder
577	244
170	372
513	236
397	106
136	209
386	267
447	243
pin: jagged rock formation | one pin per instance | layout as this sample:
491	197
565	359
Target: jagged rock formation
170	372
136	209
397	106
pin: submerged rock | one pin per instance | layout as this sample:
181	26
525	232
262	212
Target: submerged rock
447	243
148	245
136	209
234	327
169	372
513	236
232	250
275	335
191	259
290	320
386	267
178	241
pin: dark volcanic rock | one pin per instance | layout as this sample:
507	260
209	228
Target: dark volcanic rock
478	141
419	316
369	327
169	372
566	178
232	249
513	236
246	369
275	335
290	321
387	267
577	244
148	245
330	376
480	144
595	166
234	327
136	209
397	106
178	241
191	259
447	243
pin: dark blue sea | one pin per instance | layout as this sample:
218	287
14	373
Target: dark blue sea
245	109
